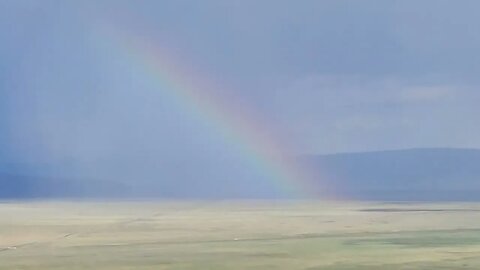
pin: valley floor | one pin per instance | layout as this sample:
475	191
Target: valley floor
239	235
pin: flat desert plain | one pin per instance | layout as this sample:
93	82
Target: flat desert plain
239	235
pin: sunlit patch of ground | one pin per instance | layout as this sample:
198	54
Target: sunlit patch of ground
239	235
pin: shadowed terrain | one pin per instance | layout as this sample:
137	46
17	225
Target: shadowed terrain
429	174
403	175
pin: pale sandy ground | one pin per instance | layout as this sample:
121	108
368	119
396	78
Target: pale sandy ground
239	235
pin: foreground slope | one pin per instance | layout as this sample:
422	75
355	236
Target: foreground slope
239	235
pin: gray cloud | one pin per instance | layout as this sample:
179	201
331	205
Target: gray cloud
361	114
330	75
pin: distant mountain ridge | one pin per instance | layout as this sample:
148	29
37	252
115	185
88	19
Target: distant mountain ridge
423	174
420	174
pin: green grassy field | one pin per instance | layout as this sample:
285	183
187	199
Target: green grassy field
239	235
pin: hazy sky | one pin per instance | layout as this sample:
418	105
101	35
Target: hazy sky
331	76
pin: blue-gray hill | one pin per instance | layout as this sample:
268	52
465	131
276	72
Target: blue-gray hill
422	174
428	174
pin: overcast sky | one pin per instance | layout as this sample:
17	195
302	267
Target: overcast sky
331	76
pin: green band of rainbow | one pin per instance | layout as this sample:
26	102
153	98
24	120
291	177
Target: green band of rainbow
203	97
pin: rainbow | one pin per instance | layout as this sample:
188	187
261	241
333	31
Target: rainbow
204	98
